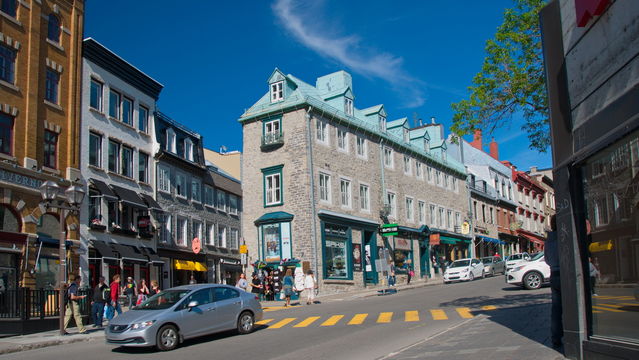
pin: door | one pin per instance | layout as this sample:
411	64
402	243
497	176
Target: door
370	252
476	268
228	304
424	259
199	319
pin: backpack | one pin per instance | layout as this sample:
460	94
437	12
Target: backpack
106	294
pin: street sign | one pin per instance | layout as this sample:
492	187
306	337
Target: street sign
243	259
389	230
243	249
465	228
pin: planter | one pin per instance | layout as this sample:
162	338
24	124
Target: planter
124	232
97	227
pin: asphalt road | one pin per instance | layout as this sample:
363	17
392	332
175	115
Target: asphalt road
346	328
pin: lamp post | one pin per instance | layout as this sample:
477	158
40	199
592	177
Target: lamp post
74	196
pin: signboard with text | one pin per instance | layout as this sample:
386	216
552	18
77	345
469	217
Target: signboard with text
389	230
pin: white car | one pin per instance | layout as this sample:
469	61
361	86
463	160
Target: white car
464	270
514	259
530	274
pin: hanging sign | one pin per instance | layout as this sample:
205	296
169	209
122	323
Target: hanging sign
389	230
465	228
357	257
196	245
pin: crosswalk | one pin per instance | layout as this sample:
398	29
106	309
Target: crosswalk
614	304
409	316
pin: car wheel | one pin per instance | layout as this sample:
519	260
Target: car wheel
245	323
167	338
471	277
446	282
533	280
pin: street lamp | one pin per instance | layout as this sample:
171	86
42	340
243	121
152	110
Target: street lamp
74	196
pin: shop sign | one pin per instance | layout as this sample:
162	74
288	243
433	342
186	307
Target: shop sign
369	266
243	249
229	261
586	9
465	228
196	245
357	257
601	246
18	179
144	222
434	239
389	230
287	251
402	244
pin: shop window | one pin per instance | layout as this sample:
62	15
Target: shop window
403	260
8	220
271	242
336	252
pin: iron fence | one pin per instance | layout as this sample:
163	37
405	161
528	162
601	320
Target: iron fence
26	303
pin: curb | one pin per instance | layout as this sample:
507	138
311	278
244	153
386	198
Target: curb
42	344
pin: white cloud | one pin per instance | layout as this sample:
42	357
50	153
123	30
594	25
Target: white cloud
349	51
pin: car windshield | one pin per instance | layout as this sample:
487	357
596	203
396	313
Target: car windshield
537	256
460	263
514	257
162	300
487	260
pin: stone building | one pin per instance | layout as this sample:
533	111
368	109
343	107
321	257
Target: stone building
325	175
40	53
544	178
118	216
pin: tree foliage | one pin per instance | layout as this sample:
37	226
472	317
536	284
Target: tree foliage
512	80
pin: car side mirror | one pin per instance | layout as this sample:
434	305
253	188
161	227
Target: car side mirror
192	304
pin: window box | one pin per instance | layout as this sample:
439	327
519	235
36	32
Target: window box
119	230
98	226
272	141
146	234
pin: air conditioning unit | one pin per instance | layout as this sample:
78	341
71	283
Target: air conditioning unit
31	164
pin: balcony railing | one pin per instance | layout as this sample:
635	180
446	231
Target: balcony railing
272	140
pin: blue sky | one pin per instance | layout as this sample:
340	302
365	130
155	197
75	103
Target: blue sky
214	57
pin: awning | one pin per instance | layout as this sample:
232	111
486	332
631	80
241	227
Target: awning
128	196
105	250
48	240
491	240
447	240
189	265
274	217
152	255
532	239
150	201
103	189
130	253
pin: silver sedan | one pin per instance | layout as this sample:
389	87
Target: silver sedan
493	265
184	312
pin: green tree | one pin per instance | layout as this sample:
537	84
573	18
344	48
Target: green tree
512	80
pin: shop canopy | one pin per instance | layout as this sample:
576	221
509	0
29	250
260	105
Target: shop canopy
105	250
274	217
152	255
189	265
130	253
150	201
532	239
128	196
491	240
103	189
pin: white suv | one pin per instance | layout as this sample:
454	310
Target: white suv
514	260
530	274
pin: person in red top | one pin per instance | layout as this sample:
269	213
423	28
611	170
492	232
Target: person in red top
115	295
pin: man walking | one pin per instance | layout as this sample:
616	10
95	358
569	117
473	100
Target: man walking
101	295
72	306
130	290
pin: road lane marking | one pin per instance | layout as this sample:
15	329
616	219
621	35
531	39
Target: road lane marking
597	311
332	320
385	317
438	314
464	312
611	305
411	316
281	323
264	322
307	322
606	309
358	319
489	307
629	304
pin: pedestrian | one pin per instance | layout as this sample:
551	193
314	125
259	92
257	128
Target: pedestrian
551	257
155	288
310	285
391	275
268	289
594	274
73	305
115	297
299	280
410	273
256	286
192	281
143	292
101	296
131	291
287	285
242	283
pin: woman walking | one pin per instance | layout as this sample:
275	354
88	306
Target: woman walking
155	288
309	285
143	292
288	286
242	283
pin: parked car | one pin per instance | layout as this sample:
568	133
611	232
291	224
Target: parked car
183	312
464	270
493	265
514	259
530	274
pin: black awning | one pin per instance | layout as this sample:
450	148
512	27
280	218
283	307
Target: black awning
103	189
153	256
150	201
105	250
130	253
128	196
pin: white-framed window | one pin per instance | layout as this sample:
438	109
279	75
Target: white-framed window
182	231
221	200
170	141
449	219
127	111
458	221
406	135
447	181
409	209
95	96
418	170
209	199
272	128
440	218
429	173
391	200
382	123
348	106
114	104
196	190
345	192
438	177
455	184
188	150
407	168
421	208
325	187
321	131
210	233
197	230
426	145
180	184
233	204
362	147
432	213
95	149
233	239
166	235
164	179
221	236
364	198
388	157
277	91
342	140
273	188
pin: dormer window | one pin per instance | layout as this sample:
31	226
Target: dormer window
277	91
426	145
170	141
348	106
382	123
188	149
406	139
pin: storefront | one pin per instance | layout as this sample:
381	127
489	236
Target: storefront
274	231
487	246
447	247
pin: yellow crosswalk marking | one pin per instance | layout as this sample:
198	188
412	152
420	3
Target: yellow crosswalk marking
611	305
597	311
629	304
282	323
358	319
411	316
606	309
385	317
438	314
332	320
307	322
263	322
489	307
464	312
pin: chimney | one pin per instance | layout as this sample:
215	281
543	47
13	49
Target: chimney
476	143
494	149
533	169
432	120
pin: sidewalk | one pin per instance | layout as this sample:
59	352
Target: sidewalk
511	333
14	344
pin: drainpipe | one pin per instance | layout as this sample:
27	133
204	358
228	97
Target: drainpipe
311	170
